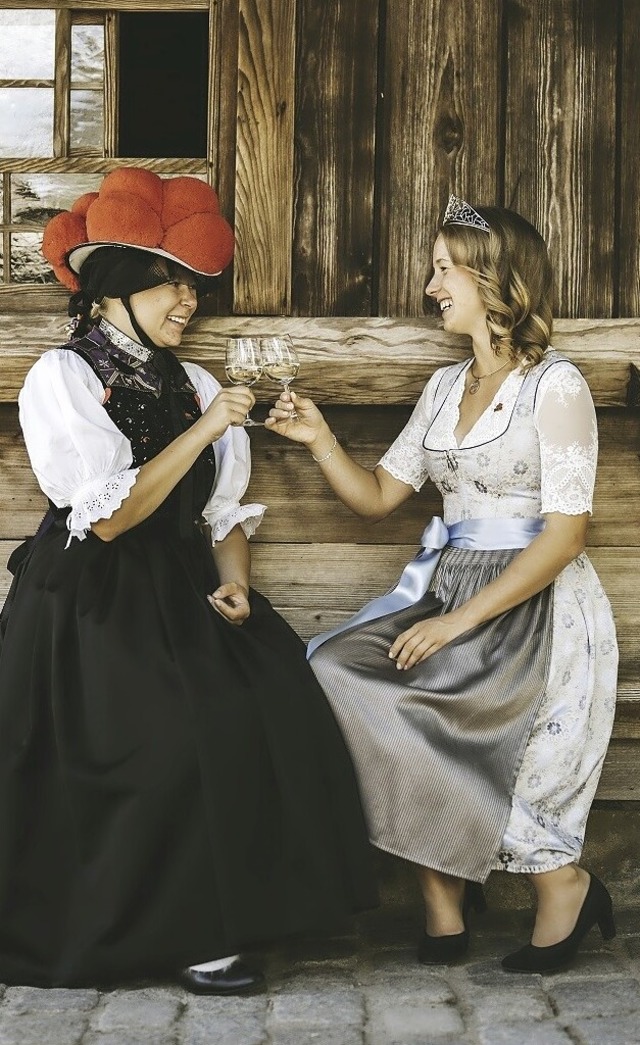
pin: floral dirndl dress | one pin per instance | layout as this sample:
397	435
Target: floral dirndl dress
487	754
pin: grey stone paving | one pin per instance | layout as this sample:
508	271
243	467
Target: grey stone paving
364	988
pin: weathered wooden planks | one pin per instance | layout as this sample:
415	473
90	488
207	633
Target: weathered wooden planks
560	140
221	157
115	5
336	78
629	136
494	100
264	157
350	360
439	132
61	96
621	772
302	508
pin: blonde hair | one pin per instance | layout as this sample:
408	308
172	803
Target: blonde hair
511	267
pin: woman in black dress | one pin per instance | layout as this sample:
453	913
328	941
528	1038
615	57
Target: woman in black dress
169	795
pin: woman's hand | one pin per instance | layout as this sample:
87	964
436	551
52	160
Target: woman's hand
230	407
424	638
231	601
305	428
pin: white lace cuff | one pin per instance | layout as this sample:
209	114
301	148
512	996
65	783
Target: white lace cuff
404	467
249	516
98	499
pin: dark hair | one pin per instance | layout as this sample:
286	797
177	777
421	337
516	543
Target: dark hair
513	273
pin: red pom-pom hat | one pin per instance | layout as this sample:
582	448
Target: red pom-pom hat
174	218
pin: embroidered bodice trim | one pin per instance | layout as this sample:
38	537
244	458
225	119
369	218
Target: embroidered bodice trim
124	342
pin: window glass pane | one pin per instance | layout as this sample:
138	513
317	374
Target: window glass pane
1	259
27	262
87	122
37	197
162	114
26	121
87	54
27	45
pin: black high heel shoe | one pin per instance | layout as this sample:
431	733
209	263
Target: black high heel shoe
444	950
597	907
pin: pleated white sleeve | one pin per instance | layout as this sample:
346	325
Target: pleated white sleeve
223	509
79	457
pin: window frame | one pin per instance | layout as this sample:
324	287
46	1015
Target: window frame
69	13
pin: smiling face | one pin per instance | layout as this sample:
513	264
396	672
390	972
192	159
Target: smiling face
163	312
456	292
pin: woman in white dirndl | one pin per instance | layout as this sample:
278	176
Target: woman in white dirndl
477	697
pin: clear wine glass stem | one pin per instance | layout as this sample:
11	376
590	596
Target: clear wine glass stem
293	416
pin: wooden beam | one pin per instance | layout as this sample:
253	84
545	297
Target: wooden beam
264	151
316	516
61	91
99	165
27	83
560	148
111	82
440	132
222	127
634	386
351	360
629	135
336	102
99	5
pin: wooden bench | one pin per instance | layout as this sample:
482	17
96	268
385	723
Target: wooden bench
316	561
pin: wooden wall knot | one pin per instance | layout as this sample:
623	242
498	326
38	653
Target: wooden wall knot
449	132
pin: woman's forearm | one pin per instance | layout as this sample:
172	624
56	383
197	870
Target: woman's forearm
232	556
533	569
371	495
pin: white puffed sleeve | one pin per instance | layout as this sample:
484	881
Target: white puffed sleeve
233	469
406	458
79	457
565	419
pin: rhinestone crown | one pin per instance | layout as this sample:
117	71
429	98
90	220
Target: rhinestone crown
459	212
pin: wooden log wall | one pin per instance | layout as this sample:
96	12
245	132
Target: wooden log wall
338	130
315	560
336	133
399	104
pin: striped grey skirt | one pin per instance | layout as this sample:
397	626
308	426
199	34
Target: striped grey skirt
437	748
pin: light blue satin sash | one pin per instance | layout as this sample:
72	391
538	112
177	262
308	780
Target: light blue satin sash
477	534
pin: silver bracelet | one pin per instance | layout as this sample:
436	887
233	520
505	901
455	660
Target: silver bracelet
326	457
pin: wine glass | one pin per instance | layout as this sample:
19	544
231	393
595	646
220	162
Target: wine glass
243	366
280	361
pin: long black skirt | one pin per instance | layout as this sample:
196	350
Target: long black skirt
173	788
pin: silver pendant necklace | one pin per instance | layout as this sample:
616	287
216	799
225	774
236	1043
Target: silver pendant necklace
475	384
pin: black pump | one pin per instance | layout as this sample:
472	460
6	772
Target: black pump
444	950
597	907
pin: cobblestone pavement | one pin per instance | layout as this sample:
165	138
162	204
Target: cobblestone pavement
364	988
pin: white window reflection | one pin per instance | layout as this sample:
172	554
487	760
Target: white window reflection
37	197
26	121
27	263
87	122
27	45
87	54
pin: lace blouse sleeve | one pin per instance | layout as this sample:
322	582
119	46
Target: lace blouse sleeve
232	452
406	458
565	419
79	457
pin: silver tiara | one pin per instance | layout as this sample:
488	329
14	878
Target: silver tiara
460	213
